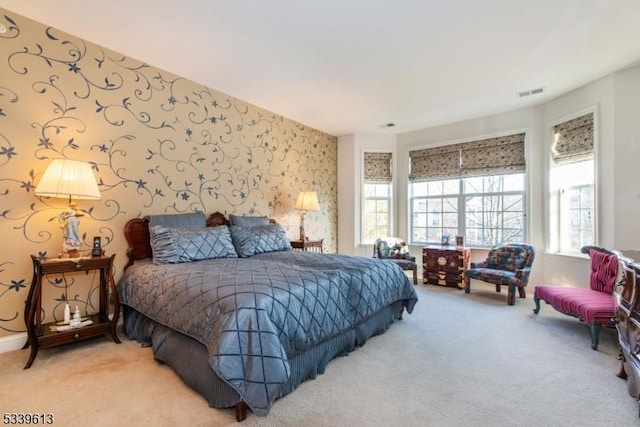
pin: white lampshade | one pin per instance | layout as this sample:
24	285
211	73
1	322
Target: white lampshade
68	179
307	201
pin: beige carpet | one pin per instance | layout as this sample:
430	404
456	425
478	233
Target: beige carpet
459	360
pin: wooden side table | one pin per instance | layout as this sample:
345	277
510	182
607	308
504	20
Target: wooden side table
44	335
308	245
445	265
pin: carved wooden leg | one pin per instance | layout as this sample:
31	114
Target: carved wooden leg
498	288
522	292
511	296
595	334
621	373
241	411
467	284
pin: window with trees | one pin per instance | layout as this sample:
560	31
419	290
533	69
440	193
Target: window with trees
572	186
475	190
377	196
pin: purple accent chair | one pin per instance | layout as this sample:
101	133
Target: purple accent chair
507	264
395	249
595	305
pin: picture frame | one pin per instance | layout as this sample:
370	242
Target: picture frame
459	241
445	240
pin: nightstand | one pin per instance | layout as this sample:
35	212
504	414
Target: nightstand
44	335
307	245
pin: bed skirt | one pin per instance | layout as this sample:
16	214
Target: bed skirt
189	358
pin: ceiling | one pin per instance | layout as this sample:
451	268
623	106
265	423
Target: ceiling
353	66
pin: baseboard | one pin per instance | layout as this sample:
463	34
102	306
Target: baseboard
13	342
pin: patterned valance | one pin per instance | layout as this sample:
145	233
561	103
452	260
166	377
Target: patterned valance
492	156
573	140
435	163
377	167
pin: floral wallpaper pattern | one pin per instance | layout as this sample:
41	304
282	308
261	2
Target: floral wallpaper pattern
157	143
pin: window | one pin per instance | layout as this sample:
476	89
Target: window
494	209
572	186
485	210
434	210
376	200
475	189
376	212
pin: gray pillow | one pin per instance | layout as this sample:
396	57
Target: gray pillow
248	221
256	240
176	245
185	220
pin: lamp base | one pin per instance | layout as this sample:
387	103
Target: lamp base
302	236
73	253
70	253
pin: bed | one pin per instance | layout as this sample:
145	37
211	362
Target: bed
241	317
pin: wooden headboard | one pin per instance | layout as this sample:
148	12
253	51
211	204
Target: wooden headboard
136	231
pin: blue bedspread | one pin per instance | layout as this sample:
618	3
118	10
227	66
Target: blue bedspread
254	313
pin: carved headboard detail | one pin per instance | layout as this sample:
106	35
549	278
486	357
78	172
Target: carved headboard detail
136	231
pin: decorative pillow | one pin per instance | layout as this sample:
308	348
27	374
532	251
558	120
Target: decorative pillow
604	271
400	250
176	245
256	240
248	221
185	220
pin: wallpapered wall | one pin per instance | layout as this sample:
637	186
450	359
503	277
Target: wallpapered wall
158	143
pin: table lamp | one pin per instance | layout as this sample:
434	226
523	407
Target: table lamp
307	201
73	180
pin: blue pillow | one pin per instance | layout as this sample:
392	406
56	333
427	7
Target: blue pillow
176	245
249	241
184	220
248	221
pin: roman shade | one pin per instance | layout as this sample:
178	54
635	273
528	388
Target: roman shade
492	156
573	140
377	168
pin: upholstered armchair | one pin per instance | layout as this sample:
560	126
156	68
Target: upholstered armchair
396	250
507	264
595	306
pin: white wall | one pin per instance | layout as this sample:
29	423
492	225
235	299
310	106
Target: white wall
616	99
350	155
348	193
626	160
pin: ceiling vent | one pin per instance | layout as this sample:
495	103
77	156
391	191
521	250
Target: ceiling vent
531	92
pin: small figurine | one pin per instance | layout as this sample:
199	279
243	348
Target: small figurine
77	319
69	223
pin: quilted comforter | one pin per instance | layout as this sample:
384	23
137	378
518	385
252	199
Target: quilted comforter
254	313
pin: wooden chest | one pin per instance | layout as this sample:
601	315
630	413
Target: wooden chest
445	265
